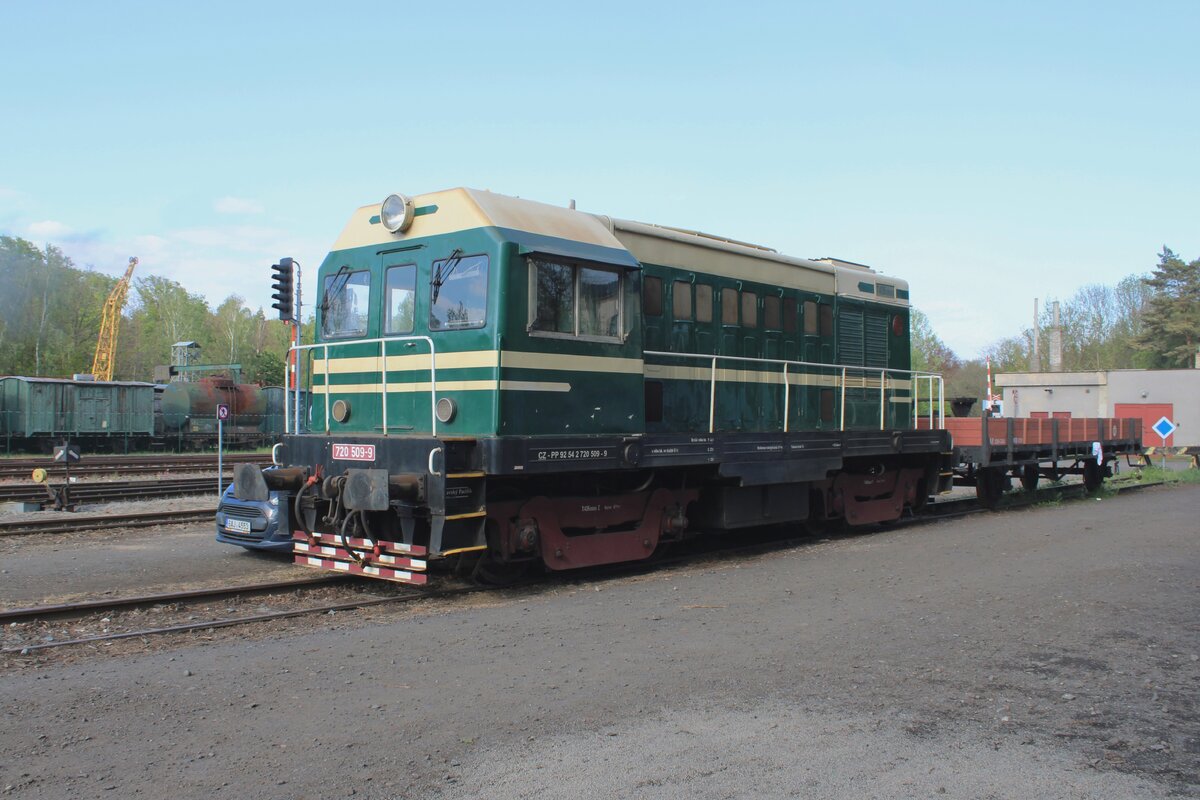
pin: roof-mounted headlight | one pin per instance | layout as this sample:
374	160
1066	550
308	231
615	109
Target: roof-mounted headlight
396	213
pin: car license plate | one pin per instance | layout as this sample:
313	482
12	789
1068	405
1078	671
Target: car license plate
237	525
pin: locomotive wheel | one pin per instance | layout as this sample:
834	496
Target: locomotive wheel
990	485
1029	477
1093	477
492	572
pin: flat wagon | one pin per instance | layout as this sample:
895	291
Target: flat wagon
991	451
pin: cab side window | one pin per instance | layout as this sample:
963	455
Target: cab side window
574	300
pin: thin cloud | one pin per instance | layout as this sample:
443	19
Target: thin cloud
50	229
237	205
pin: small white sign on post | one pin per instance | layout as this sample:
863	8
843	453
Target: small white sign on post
222	415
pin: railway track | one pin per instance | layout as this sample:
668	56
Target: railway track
21	468
71	523
379	591
40	614
110	491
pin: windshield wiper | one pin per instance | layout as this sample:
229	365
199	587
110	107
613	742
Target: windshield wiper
443	273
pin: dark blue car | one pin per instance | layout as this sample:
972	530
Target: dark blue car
254	525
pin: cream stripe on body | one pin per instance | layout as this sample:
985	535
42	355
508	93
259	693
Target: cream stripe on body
445	386
474	359
516	359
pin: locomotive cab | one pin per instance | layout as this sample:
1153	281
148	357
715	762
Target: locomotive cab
486	328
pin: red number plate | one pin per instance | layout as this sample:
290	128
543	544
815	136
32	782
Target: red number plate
354	452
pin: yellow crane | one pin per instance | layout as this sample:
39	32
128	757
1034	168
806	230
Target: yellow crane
110	321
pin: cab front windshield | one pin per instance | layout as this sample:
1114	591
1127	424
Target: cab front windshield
344	304
458	293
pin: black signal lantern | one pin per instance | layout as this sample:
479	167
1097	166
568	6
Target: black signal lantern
284	288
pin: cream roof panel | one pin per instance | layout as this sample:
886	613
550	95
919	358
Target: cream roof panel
466	209
700	257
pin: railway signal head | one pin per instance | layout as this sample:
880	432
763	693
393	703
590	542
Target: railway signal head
284	288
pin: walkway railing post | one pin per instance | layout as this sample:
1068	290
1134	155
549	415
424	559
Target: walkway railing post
883	400
787	387
842	423
383	394
712	398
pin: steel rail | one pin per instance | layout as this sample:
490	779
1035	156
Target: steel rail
23	466
109	490
32	613
72	523
233	621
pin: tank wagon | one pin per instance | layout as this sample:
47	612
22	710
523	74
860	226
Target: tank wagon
189	412
504	382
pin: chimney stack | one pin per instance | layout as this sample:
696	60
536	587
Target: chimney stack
1056	344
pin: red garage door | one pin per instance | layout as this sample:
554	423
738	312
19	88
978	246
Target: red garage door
1148	413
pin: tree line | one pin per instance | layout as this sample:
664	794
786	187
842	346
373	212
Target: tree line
50	320
1149	321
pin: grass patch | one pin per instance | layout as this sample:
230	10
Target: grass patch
1049	502
1153	474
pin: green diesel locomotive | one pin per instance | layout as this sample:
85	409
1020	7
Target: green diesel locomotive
505	382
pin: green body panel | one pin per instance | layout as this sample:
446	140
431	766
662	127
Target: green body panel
866	339
752	396
602	399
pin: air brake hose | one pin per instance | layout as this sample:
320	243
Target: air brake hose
296	508
362	521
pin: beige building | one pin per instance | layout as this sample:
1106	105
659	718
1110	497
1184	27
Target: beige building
1148	394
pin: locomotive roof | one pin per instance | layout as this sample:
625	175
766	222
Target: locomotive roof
628	241
463	209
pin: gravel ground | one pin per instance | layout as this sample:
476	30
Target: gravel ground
63	567
1043	653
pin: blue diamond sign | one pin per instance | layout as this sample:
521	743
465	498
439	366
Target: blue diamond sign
1164	428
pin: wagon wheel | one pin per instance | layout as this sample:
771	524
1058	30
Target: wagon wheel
990	484
1029	477
1093	476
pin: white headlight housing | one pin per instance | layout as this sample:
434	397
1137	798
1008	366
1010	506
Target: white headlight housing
396	213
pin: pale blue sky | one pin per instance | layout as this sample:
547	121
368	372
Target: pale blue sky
989	154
